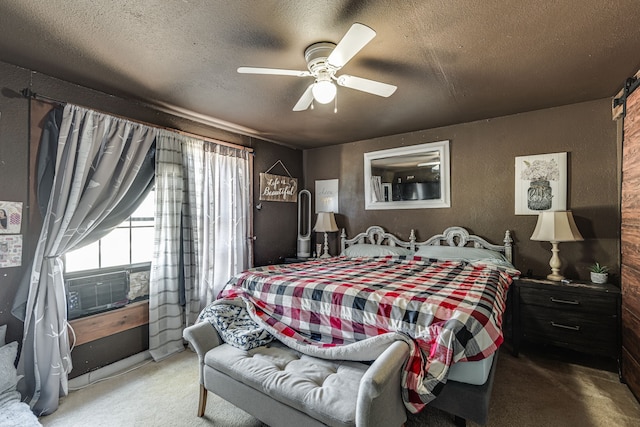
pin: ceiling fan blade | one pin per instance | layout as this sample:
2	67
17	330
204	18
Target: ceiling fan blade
356	38
366	85
273	71
305	100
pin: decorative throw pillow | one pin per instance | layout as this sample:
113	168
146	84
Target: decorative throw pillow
8	375
457	253
236	327
370	250
3	335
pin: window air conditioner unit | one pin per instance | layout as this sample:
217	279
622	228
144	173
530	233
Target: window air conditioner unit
99	292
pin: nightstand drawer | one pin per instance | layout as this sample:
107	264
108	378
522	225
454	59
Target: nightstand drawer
577	315
591	303
596	334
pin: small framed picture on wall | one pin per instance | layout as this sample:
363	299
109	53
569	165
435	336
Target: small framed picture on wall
327	195
10	217
541	183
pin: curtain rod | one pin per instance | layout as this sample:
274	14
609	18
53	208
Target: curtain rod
28	93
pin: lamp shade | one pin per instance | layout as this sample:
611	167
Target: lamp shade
326	223
557	226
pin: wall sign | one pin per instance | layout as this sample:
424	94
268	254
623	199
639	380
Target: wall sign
277	188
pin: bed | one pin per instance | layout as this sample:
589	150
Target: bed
445	297
453	238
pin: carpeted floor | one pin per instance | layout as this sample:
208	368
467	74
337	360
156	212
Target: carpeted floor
530	390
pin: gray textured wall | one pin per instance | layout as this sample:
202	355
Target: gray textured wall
14	125
482	183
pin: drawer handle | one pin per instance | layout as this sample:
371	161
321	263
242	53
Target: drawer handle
559	325
564	301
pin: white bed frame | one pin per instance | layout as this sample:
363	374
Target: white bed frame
453	236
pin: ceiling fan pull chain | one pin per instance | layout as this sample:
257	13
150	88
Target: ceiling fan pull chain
335	105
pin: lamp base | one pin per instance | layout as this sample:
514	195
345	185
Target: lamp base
326	247
555	277
555	263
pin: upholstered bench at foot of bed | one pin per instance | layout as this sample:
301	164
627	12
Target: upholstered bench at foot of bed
283	387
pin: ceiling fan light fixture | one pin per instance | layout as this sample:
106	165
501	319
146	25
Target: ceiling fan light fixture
324	91
324	59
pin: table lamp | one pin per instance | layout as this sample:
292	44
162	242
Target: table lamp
326	223
556	227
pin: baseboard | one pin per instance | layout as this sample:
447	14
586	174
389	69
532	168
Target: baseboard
108	371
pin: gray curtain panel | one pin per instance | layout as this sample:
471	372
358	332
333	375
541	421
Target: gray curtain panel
165	309
46	163
97	161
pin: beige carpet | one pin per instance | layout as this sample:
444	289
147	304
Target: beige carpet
530	390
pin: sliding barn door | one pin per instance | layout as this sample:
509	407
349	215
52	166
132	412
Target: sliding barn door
630	244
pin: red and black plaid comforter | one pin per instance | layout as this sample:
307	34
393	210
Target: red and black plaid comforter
448	311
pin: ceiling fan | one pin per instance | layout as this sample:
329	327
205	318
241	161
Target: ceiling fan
324	59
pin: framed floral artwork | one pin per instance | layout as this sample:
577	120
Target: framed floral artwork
541	183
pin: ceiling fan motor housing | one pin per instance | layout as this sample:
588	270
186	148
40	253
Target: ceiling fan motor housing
316	56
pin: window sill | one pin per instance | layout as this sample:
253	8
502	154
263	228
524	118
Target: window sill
102	325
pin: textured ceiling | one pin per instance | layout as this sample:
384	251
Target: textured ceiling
453	61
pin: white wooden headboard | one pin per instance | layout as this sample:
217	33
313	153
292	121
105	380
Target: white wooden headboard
452	236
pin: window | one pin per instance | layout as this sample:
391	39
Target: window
130	243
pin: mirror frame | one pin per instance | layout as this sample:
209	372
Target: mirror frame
442	147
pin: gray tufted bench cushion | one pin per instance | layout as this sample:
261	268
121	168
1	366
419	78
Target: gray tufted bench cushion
327	390
283	387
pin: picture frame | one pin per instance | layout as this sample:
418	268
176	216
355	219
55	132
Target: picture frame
11	251
327	195
540	183
10	217
387	192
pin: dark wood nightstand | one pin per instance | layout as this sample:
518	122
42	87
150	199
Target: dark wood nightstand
581	316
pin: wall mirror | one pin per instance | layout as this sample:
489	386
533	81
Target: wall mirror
413	177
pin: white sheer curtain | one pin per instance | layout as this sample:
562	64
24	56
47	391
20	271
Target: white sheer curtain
376	186
210	218
228	248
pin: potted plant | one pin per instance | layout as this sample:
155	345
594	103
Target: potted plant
599	273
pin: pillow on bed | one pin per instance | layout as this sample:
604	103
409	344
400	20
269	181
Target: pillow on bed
3	335
370	250
9	378
457	253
